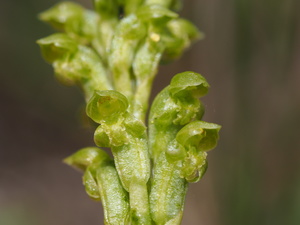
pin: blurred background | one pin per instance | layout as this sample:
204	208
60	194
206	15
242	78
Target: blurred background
251	58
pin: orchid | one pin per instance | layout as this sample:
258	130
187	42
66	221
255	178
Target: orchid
112	54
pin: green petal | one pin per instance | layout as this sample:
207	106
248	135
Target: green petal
86	157
79	23
181	33
155	13
194	167
175	152
132	5
197	137
61	13
164	3
202	135
107	8
188	82
57	46
106	105
90	184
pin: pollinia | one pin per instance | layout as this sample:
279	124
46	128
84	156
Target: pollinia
112	53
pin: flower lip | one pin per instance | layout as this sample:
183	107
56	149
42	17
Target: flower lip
106	105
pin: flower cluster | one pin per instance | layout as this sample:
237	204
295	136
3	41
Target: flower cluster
112	54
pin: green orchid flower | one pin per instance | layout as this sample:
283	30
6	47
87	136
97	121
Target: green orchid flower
112	53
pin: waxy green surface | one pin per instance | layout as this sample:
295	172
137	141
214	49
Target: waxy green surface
113	53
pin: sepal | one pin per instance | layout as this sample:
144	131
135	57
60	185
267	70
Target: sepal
86	157
172	4
155	13
176	5
106	106
106	8
190	83
181	34
74	63
78	22
196	138
101	138
78	67
185	89
90	183
175	152
194	167
178	103
111	135
57	46
130	28
134	127
199	134
60	14
130	6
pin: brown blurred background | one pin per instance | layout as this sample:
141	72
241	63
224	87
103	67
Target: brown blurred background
251	58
